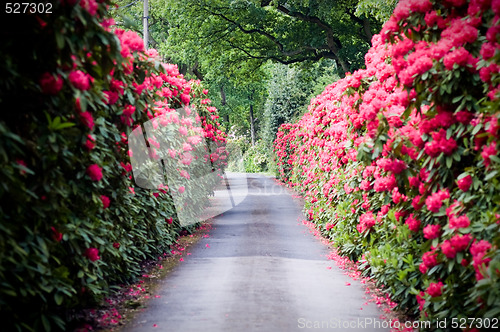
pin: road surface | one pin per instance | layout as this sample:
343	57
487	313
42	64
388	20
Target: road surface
260	270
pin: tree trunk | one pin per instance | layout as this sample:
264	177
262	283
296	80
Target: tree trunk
222	95
367	29
194	70
182	69
252	126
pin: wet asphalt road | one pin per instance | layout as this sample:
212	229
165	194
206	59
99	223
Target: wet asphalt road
262	271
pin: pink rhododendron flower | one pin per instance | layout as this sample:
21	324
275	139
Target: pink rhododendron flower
127	167
152	53
181	189
432	231
105	201
368	171
87	119
459	57
448	249
366	221
107	23
421	300
435	201
51	84
420	6
432	18
397	196
430	259
489	150
385	183
129	110
465	183
435	289
440	144
395	166
459	222
132	41
414	181
89	144
365	185
416	203
478	251
183	130
22	163
94	172
56	235
92	254
90	6
464	117
194	140
186	158
460	242
80	80
185	98
488	50
413	223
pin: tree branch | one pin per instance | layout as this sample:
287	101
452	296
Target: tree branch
333	42
365	23
248	31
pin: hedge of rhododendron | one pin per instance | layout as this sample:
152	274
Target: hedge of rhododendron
73	222
399	162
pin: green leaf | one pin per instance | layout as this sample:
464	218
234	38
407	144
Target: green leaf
457	99
490	175
58	298
46	323
60	40
65	125
495	159
476	129
449	162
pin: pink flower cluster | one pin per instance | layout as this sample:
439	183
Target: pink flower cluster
435	200
92	254
80	80
456	244
366	221
429	260
409	131
435	289
478	250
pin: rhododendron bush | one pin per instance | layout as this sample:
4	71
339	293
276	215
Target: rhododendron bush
399	162
73	222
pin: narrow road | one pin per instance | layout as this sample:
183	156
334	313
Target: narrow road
260	270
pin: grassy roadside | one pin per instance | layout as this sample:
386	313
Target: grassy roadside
116	311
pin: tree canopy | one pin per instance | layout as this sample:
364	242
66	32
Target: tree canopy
282	31
230	45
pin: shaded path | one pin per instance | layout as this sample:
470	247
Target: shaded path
261	271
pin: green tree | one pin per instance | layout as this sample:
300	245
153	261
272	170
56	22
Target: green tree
380	10
129	14
258	31
289	90
286	99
